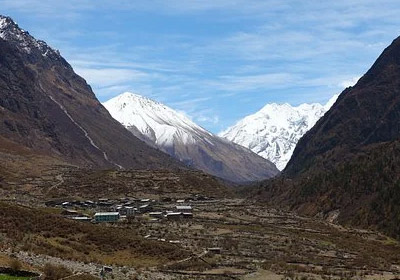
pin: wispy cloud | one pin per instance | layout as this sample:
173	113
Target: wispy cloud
214	119
254	82
216	60
190	104
47	8
106	77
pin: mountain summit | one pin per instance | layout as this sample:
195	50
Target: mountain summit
21	39
176	134
274	131
154	121
46	107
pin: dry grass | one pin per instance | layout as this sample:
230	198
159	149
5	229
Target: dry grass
35	231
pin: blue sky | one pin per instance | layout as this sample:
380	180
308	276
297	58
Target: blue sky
215	60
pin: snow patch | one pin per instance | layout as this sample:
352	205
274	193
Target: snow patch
3	22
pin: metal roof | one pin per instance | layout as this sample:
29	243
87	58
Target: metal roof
174	214
106	214
183	207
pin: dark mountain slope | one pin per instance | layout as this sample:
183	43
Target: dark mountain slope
365	114
347	167
45	106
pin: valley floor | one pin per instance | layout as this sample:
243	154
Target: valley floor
261	243
239	239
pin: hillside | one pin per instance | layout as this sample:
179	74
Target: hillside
347	166
177	135
46	107
41	232
365	114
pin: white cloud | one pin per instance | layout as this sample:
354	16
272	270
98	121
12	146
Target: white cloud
106	77
208	119
349	83
253	82
74	8
281	50
189	103
49	8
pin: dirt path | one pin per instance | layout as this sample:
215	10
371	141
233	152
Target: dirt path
60	181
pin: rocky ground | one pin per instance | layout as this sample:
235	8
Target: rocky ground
238	239
255	240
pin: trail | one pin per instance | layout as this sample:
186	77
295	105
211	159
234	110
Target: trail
85	133
199	256
60	181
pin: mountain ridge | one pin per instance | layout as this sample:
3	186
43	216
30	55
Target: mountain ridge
174	133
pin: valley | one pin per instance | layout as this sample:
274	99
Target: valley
230	236
130	188
227	238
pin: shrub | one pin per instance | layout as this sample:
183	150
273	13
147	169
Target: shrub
15	265
54	272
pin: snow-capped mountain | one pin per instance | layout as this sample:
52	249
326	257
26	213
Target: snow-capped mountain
153	121
274	131
174	133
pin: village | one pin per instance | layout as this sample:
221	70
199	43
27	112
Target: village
117	210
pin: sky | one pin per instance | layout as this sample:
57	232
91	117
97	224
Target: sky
214	60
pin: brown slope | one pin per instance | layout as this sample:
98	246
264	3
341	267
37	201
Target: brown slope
30	177
45	106
349	161
218	157
225	159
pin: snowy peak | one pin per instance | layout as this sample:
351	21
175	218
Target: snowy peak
5	22
174	133
157	122
273	131
11	32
